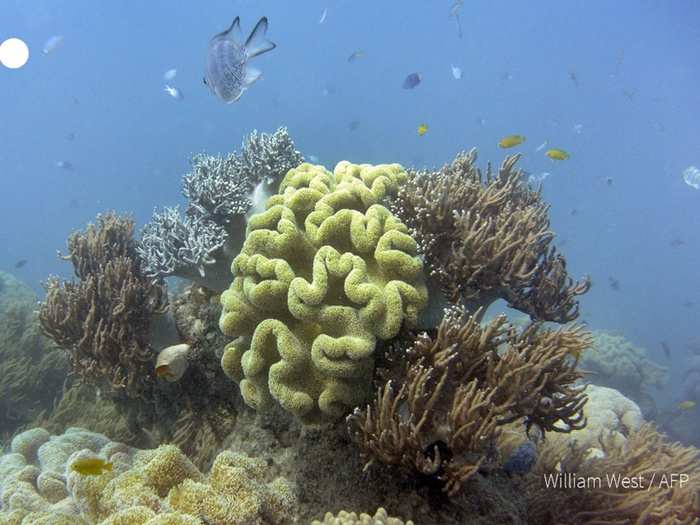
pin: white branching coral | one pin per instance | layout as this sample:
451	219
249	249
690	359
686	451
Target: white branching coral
220	191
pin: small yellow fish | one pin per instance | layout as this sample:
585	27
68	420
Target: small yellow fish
422	129
511	140
90	466
686	405
557	154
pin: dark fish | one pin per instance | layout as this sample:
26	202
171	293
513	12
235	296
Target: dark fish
228	73
70	137
505	76
454	13
573	212
574	78
609	181
412	80
353	125
677	243
355	55
629	94
688	303
20	263
614	283
666	349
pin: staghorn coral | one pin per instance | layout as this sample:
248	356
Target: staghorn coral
323	274
439	415
105	319
220	192
350	518
151	487
645	457
189	248
486	237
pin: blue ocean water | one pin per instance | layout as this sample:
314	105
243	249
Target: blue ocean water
613	83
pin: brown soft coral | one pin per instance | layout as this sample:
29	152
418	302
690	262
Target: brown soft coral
103	319
486	237
646	457
440	415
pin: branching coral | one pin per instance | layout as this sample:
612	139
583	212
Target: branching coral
104	320
220	191
486	237
324	273
608	413
189	248
460	384
653	493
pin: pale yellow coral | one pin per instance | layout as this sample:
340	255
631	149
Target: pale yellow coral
350	518
617	363
149	487
609	414
237	493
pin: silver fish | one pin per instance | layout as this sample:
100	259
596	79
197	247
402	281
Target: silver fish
173	92
228	73
52	44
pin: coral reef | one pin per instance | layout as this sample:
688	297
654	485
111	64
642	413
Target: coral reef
323	274
114	321
350	518
105	319
82	406
645	457
327	471
27	359
439	415
608	413
486	237
189	248
615	362
143	486
220	192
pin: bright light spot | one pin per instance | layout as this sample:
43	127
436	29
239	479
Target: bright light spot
14	53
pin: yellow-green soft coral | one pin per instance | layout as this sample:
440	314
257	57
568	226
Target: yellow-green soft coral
144	487
324	272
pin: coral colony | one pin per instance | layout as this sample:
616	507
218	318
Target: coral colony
326	324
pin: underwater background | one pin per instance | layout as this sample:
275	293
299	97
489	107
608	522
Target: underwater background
88	127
